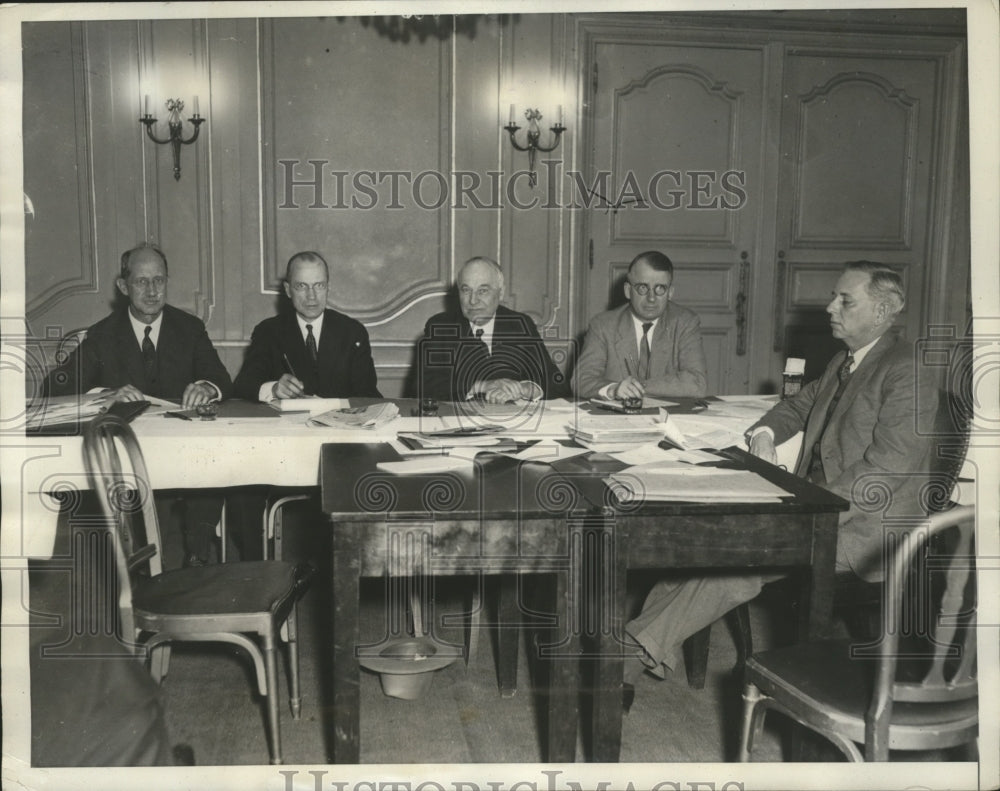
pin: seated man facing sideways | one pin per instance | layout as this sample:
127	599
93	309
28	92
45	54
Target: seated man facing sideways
860	423
151	348
486	350
650	346
310	350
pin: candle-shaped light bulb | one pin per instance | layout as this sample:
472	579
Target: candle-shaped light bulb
559	121
147	104
510	122
196	105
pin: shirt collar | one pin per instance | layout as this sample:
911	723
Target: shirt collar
637	323
317	325
487	329
139	328
861	353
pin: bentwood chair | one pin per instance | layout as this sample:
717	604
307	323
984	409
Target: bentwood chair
915	687
245	604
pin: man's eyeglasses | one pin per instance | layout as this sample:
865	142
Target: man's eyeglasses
143	283
302	288
642	289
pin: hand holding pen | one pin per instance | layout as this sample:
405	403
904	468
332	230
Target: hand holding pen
630	386
289	385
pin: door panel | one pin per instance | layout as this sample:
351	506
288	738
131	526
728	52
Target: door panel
857	161
676	140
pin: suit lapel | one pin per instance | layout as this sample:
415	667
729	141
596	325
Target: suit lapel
625	344
130	353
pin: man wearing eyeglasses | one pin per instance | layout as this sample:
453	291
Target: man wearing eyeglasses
310	350
151	348
650	346
148	349
487	350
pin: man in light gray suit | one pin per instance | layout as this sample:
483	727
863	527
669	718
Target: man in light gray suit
860	441
651	346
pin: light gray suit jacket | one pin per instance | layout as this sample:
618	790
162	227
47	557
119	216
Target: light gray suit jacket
873	454
677	361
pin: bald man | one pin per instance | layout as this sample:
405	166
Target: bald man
486	350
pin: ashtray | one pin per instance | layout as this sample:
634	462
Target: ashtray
207	411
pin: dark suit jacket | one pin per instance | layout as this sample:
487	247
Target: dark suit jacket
450	358
345	367
873	455
676	364
110	356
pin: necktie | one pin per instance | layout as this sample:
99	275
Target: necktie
479	337
816	472
311	344
644	352
148	355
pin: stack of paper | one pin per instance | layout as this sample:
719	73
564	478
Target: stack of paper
608	435
688	483
369	417
479	436
59	410
314	405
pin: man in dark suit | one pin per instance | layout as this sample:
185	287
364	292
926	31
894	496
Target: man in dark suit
487	350
311	350
650	346
152	349
860	441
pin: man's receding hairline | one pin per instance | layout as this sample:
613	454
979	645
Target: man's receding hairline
306	257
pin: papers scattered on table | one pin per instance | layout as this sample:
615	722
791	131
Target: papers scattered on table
547	451
692	433
369	417
688	483
311	404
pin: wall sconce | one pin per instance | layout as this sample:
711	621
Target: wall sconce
175	124
534	134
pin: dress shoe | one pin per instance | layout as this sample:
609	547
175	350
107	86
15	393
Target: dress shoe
193	561
628	697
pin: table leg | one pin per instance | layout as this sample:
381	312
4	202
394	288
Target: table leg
603	583
564	679
345	713
508	635
816	610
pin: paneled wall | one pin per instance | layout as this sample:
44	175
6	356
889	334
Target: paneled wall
379	143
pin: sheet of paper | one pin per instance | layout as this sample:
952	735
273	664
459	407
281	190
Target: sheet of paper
646	453
657	402
425	465
548	451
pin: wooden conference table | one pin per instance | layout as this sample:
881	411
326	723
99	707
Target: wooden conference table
499	515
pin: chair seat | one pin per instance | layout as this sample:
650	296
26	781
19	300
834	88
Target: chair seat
824	686
260	586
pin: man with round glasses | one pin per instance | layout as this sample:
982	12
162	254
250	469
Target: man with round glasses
310	350
649	346
148	348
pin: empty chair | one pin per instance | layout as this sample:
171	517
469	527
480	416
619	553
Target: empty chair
241	603
915	687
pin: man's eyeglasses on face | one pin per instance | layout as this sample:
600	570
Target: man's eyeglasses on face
302	288
143	283
642	289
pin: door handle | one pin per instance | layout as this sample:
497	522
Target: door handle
742	300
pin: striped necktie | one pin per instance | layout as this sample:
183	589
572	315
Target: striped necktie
644	352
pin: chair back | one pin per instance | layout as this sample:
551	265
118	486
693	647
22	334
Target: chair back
126	500
928	649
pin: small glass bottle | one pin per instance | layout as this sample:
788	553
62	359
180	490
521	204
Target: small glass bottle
791	379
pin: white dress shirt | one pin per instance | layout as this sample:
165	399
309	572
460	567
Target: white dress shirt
266	392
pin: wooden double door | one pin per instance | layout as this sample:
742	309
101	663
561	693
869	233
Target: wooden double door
761	162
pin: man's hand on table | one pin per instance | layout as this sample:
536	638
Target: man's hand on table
124	393
762	446
629	387
499	391
198	393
